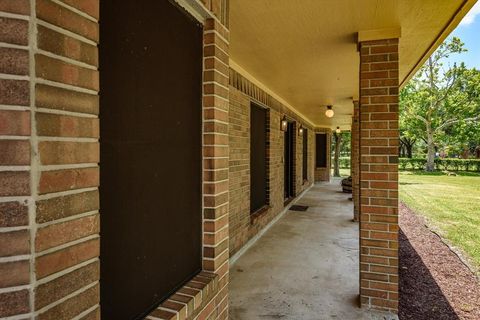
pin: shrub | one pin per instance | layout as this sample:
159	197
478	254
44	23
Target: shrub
452	164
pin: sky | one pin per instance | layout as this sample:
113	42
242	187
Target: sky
469	32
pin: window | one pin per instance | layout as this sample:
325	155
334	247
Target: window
321	150
151	175
258	157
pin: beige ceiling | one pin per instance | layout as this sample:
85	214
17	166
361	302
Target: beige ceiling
305	51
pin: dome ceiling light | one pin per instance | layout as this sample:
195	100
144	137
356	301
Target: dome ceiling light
329	113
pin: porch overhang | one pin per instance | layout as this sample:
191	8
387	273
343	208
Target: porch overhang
307	54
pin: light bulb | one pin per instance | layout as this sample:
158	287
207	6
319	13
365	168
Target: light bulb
329	113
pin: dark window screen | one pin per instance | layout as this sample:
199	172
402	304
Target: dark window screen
321	150
305	155
150	177
258	160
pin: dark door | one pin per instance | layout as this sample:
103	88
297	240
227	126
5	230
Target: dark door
305	155
150	181
289	162
258	160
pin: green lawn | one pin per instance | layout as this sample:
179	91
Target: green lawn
450	203
343	172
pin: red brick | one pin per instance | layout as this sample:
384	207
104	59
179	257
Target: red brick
14	302
374	75
14	243
62	17
73	306
53	125
60	152
14	183
90	7
15	152
14	92
384	99
67	257
14	273
384	49
375	92
384	66
60	233
66	206
14	123
51	291
13	31
56	70
13	214
383	82
62	180
62	99
60	44
15	6
14	61
384	116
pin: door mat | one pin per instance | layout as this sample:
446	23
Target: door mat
298	208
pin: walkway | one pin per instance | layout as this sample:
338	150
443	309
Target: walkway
305	267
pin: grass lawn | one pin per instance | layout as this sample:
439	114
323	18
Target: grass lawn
343	172
450	203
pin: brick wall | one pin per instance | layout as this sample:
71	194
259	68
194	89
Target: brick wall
49	172
323	174
379	174
355	160
242	225
49	129
16	203
206	295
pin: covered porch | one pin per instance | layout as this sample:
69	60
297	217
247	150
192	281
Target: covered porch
209	118
305	266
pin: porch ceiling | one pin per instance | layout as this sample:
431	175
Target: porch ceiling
306	51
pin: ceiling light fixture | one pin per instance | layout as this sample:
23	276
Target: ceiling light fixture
329	113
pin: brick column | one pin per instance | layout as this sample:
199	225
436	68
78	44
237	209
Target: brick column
16	202
216	157
355	160
49	210
379	174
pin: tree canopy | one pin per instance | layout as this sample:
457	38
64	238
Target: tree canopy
440	106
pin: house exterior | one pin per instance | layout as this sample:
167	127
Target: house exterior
143	144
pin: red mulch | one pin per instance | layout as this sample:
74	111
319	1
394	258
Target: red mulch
434	283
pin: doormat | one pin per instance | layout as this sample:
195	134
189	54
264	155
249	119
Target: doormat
298	208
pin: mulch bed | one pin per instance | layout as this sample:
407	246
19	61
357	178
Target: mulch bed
434	283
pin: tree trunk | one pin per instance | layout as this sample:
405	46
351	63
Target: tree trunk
336	164
409	148
430	151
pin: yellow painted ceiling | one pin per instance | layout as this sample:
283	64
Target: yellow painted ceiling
305	51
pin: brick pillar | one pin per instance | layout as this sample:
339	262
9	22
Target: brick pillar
16	202
49	216
216	157
379	174
355	160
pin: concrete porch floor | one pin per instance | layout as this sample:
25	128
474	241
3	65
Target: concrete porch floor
305	266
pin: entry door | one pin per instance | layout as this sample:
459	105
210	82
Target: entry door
288	163
150	181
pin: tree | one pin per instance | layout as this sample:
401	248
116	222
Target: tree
337	137
438	98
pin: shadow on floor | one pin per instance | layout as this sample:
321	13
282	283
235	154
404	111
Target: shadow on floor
420	296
